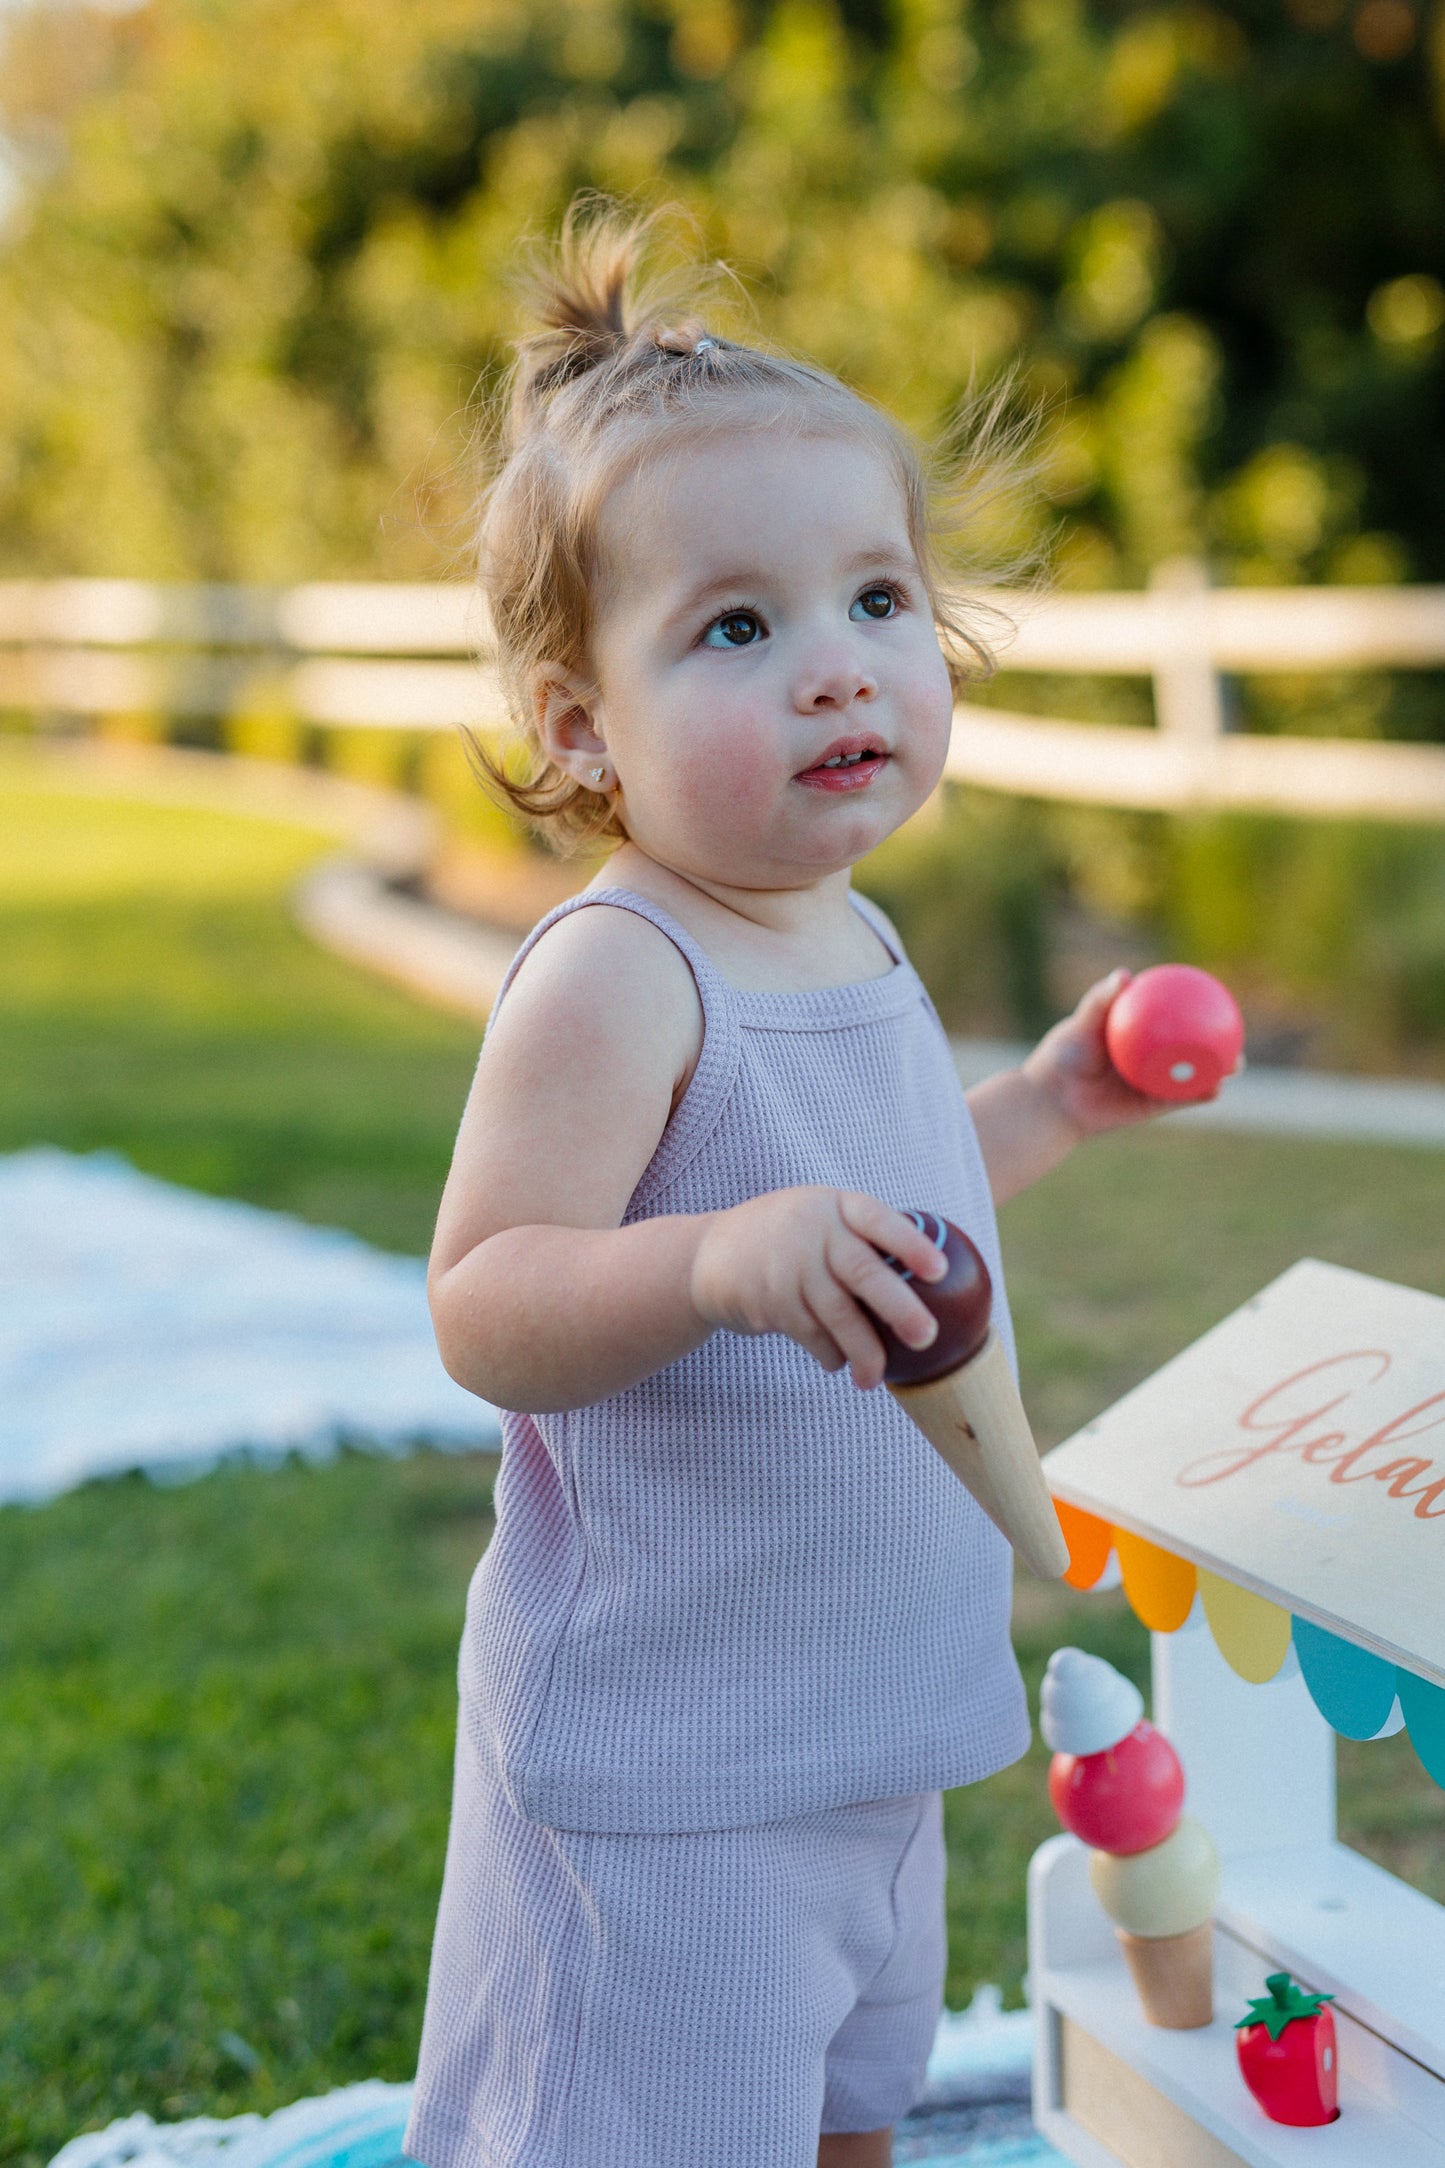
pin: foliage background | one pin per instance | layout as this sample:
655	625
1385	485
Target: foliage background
259	256
257	261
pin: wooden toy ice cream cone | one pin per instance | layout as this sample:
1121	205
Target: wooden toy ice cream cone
961	1393
1161	1902
1174	1976
1116	1783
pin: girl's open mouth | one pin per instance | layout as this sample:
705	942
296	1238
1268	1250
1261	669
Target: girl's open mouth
851	764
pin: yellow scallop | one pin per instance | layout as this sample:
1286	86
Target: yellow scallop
1250	1633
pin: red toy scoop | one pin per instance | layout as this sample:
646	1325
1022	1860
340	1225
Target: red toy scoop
1175	1033
960	1392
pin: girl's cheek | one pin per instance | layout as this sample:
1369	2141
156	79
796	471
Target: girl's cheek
934	708
729	752
732	787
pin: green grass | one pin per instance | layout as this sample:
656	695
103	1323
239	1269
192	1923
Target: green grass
226	1709
226	1715
158	999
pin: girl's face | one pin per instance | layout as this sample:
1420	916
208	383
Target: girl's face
770	689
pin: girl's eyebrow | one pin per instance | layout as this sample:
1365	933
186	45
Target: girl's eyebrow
717	587
891	554
743	578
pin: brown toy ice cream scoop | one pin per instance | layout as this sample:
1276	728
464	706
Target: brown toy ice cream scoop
960	1392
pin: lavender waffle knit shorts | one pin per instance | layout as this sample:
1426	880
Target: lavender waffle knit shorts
712	1999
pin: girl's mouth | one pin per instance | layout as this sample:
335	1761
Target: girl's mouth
851	764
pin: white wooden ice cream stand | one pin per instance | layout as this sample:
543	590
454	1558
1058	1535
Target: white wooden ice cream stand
1276	1500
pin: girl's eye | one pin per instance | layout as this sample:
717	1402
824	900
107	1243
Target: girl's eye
875	602
739	628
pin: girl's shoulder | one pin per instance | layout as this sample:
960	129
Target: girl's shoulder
605	985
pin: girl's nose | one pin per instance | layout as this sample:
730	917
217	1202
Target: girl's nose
834	683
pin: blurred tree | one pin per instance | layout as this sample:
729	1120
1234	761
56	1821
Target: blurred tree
259	255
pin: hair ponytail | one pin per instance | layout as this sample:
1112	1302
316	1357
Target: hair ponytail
589	295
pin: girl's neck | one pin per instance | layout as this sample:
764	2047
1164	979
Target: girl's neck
785	940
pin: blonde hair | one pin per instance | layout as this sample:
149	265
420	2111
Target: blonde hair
620	357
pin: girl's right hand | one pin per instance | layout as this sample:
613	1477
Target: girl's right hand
811	1263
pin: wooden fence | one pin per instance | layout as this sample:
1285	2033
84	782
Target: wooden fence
406	657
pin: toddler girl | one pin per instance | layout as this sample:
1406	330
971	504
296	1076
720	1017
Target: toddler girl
738	1624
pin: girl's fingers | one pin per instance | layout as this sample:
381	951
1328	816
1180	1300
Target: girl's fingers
884	1292
821	1347
1079	1039
891	1233
812	1334
846	1326
1102	995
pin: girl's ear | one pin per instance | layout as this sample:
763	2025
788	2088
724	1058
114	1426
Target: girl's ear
565	708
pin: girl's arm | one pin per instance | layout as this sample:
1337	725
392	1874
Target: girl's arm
1030	1118
540	1298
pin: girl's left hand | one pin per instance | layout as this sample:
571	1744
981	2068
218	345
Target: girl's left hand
1071	1067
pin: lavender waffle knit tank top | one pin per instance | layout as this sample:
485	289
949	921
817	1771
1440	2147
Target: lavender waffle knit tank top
743	1589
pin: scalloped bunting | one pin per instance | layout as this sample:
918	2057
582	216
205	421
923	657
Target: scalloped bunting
1353	1690
1090	1541
1159	1586
1424	1707
1250	1633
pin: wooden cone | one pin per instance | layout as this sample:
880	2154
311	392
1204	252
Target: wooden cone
975	1420
1174	1975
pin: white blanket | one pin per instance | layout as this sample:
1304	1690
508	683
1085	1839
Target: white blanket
145	1326
981	2054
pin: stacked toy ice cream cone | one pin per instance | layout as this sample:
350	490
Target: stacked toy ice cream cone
1117	1784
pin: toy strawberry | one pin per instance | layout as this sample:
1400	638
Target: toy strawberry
1287	2054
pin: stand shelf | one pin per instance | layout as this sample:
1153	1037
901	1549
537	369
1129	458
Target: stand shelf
1110	2089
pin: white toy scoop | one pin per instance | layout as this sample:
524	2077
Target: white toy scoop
1086	1706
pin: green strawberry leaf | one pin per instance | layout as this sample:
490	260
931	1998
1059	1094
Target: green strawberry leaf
1282	2005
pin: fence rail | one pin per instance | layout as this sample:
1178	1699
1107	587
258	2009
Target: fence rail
414	657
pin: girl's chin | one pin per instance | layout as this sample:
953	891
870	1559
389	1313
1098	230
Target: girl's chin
816	833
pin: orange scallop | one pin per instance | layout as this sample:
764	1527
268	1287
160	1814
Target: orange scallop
1159	1586
1090	1541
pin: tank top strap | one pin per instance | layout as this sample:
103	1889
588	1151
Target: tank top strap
881	923
698	1112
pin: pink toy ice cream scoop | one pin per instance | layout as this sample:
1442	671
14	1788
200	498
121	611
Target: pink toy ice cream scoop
1175	1032
1126	1798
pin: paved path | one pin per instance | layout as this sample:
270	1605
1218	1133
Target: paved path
452	960
351	905
1281	1102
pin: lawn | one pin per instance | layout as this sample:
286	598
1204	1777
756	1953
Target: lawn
158	999
226	1709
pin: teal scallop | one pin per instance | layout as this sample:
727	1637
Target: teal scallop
1424	1707
1353	1690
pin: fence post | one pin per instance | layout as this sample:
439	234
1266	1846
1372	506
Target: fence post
1188	697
